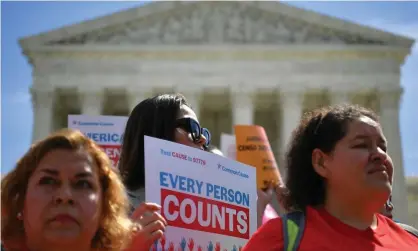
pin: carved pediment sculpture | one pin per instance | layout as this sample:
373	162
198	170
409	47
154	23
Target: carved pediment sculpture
216	23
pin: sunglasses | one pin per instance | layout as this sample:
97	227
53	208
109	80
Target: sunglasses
192	126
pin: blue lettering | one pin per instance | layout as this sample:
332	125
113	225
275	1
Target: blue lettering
95	123
216	195
199	186
182	185
180	182
95	137
165	152
223	194
163	177
242	198
227	195
105	137
190	185
238	198
231	195
115	138
246	199
209	189
173	181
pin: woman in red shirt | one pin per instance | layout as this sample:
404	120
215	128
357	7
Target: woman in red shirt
339	176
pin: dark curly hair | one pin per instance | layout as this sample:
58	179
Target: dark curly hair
321	128
155	117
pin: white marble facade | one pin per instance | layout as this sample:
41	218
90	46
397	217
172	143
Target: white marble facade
236	62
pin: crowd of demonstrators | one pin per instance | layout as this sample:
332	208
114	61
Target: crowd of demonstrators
339	175
64	193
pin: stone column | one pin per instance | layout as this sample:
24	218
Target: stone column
291	107
42	102
242	104
136	95
389	119
91	101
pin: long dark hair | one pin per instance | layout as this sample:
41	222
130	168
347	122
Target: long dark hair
155	117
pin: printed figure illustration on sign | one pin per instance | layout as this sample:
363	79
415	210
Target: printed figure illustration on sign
208	201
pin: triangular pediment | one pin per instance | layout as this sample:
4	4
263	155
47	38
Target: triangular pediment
175	23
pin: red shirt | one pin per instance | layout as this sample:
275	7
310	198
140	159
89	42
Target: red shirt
324	232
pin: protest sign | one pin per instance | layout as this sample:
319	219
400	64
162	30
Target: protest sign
253	148
208	201
228	147
106	131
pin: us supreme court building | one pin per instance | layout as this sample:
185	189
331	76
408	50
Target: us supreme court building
259	63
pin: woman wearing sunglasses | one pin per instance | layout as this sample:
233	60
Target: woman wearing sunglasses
167	117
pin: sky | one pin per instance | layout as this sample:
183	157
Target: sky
20	19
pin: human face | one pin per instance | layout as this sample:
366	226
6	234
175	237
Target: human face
359	165
63	201
183	137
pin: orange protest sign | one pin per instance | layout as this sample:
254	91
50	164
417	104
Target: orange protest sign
253	148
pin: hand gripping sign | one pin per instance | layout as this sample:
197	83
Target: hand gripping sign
207	200
253	148
228	147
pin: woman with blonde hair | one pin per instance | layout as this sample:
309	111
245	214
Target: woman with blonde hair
62	195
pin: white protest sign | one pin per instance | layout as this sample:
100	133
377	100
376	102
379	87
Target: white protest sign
106	131
208	201
228	146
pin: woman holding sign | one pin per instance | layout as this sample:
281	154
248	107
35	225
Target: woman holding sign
168	117
339	176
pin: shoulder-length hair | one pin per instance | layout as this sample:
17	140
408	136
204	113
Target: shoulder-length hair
155	117
114	226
